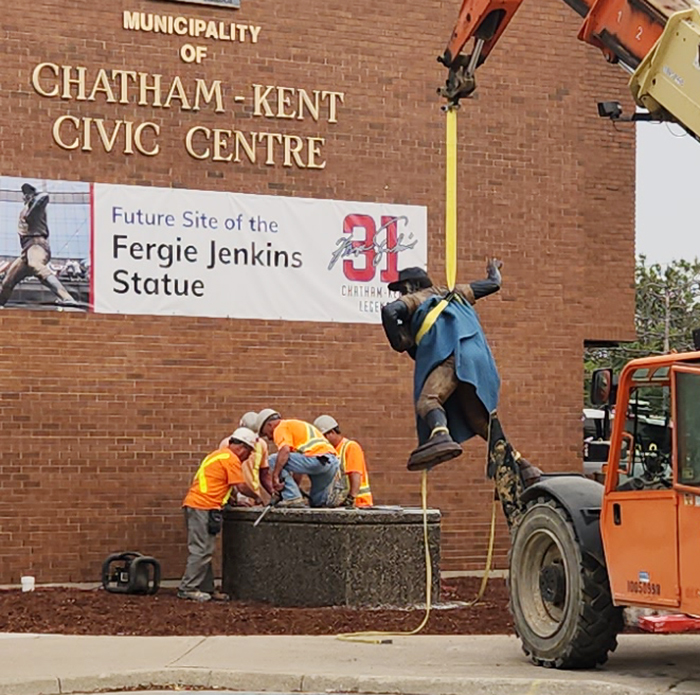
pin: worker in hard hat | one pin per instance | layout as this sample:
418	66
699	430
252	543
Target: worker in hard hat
219	475
256	467
456	382
352	462
302	449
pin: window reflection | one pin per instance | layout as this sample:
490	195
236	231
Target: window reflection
648	423
688	416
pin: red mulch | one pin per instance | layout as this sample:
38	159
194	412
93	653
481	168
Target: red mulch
97	612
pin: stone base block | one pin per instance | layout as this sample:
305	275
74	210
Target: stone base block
330	557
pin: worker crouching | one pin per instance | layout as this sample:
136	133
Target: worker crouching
219	475
302	449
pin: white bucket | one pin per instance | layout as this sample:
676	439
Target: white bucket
27	583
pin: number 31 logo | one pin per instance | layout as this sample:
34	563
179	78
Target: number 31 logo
365	246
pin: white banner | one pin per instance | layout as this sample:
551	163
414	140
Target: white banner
205	253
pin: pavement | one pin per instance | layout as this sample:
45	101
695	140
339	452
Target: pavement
419	665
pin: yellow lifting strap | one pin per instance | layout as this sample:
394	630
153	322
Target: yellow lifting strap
430	319
379	637
451	200
450	223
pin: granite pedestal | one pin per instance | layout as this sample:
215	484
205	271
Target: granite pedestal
329	557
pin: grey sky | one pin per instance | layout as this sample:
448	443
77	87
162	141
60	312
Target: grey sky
668	162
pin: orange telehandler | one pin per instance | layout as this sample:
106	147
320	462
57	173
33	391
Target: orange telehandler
581	551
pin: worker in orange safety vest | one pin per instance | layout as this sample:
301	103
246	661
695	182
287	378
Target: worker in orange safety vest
352	462
256	468
219	475
302	449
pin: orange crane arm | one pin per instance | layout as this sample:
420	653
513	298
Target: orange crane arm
625	31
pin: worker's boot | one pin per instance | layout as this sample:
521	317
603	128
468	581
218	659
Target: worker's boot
439	448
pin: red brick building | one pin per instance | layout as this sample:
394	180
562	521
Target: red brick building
103	418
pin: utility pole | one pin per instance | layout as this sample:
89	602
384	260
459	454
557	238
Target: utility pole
667	320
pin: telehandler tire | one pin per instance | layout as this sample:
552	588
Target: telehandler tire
560	597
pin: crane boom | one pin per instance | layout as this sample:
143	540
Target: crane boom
656	40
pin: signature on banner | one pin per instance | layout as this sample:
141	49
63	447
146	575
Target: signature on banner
374	250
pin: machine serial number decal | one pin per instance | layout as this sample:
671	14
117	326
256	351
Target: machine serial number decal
643	588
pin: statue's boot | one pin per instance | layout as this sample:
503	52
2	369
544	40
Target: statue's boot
439	448
500	451
512	473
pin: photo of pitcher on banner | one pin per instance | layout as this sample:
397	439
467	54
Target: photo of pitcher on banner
44	244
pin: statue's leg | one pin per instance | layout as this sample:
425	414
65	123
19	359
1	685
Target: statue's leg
440	447
474	410
512	473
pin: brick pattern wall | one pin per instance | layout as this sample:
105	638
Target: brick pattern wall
103	419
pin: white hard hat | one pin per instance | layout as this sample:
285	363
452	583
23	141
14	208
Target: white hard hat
249	420
265	415
245	436
325	423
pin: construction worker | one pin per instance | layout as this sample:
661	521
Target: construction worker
219	475
255	467
302	449
35	250
456	381
352	463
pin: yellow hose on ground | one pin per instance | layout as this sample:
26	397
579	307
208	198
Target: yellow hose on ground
377	636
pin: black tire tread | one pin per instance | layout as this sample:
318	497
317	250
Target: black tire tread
599	620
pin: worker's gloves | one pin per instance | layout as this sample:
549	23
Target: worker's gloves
215	522
349	502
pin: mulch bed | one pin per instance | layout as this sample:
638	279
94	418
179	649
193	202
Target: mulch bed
97	612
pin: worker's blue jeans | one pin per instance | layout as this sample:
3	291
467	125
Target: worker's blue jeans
327	483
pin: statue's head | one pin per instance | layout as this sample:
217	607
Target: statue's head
411	280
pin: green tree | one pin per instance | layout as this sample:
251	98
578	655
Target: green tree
667	311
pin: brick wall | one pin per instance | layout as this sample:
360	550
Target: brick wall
104	418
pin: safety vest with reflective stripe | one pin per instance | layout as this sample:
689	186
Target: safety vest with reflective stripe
201	478
364	495
200	475
314	438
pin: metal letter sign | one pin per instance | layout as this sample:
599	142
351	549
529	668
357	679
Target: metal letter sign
233	4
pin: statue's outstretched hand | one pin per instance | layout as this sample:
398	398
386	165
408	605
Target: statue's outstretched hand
493	269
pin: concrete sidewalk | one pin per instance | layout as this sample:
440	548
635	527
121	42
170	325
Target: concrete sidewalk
422	665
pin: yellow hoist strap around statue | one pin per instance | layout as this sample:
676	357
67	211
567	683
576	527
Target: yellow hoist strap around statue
381	637
430	318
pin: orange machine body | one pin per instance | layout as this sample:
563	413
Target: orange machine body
625	30
650	536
